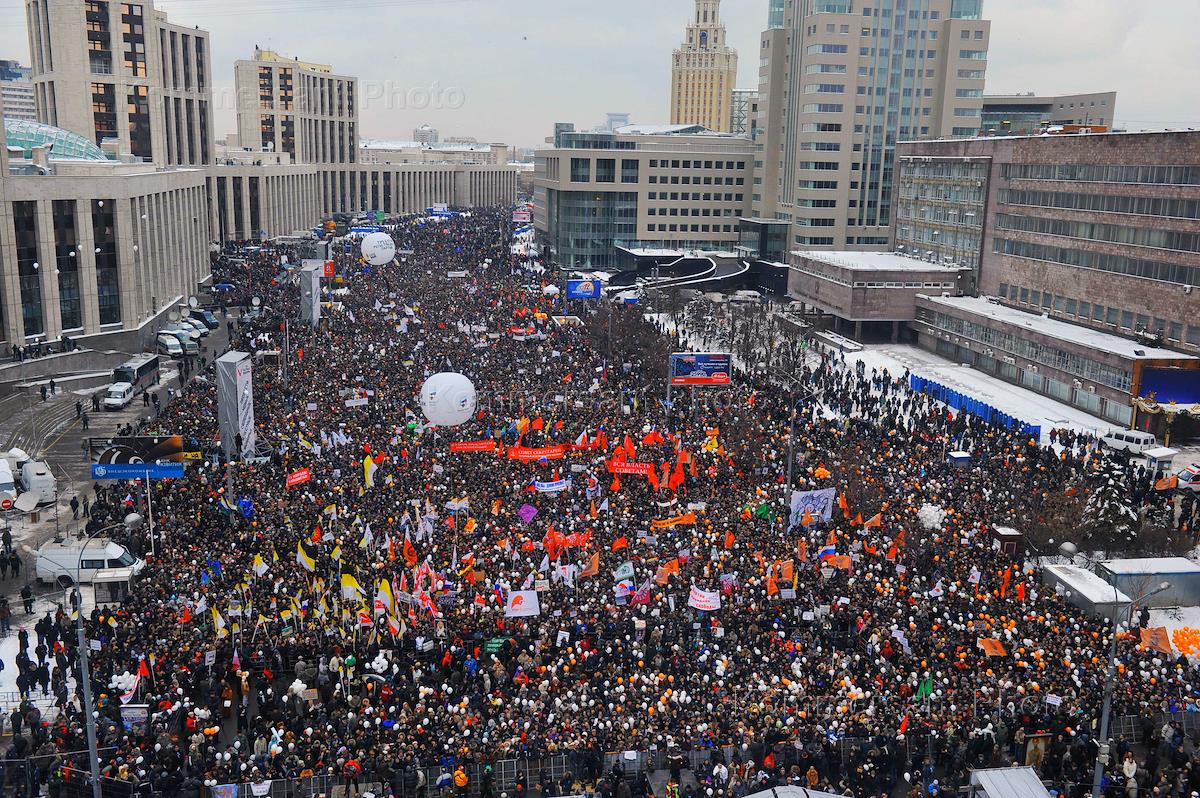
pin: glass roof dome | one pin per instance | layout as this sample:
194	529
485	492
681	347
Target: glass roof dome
67	146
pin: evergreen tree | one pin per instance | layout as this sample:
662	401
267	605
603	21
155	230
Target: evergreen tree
1110	521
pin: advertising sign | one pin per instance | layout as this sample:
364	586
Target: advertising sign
139	449
583	289
521	217
103	471
235	403
701	368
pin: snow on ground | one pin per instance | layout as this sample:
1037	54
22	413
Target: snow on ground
1174	618
1004	396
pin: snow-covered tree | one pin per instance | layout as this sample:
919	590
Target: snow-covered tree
1110	521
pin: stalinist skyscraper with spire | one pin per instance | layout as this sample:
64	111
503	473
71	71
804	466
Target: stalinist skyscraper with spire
703	72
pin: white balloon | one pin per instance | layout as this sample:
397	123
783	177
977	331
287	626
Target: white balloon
378	248
448	399
550	290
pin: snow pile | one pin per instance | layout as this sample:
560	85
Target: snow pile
931	517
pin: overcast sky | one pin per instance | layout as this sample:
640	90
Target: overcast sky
506	71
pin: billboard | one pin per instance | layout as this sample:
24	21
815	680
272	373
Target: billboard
235	403
520	217
137	471
1166	385
141	449
701	368
310	291
583	289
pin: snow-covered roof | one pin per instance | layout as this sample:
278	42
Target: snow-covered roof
875	261
374	144
670	130
1088	585
1151	565
1062	330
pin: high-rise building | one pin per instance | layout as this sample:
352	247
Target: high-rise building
16	91
1022	114
122	72
841	82
426	134
295	107
741	112
642	186
703	72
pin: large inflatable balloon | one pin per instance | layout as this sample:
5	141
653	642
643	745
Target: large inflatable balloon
378	248
448	399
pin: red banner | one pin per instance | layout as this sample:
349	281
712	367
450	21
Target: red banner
629	467
328	269
299	477
487	445
544	452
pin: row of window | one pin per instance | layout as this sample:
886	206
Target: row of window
1097	314
691	212
1104	173
686	164
1031	350
1104	203
695	228
695	196
689	180
1096	231
1101	261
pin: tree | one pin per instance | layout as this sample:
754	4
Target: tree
1110	522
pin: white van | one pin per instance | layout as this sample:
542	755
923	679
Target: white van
187	339
59	561
37	479
119	395
8	486
1130	440
169	345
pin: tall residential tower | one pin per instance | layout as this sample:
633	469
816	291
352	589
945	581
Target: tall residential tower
841	82
703	72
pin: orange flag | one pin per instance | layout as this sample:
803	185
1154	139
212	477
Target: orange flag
1005	580
807	519
729	539
1156	639
802	550
875	522
772	587
496	507
787	571
843	505
858	519
992	647
593	566
620	543
592	510
410	553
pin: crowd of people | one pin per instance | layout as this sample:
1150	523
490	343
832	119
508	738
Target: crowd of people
364	622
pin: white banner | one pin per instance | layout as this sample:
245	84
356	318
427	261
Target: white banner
704	599
522	604
819	503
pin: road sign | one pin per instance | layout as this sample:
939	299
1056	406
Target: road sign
6	504
137	471
696	368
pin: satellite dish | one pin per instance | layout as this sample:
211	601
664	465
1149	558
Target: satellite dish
193	302
256	301
173	315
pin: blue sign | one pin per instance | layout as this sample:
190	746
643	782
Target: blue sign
695	368
583	289
137	471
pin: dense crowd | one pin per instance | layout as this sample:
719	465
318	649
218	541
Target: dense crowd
896	622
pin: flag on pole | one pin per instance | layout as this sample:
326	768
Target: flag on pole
259	565
304	558
350	587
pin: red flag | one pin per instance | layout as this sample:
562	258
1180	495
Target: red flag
1004	581
185	616
143	671
410	553
903	725
729	539
1020	591
676	477
628	446
620	543
616	484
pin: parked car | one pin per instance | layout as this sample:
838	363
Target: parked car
119	395
169	345
185	338
61	561
206	317
1130	440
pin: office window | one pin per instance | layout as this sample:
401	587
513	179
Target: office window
581	170
606	170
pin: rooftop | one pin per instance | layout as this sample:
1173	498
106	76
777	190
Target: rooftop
372	144
1063	330
1152	565
1087	584
874	261
669	130
24	134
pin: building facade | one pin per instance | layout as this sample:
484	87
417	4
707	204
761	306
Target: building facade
426	134
1025	114
741	112
840	83
16	91
372	151
1098	230
704	72
121	73
298	108
643	186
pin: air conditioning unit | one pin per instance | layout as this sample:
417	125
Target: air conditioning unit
1091	389
1187	289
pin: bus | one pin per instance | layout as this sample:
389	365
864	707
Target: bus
141	373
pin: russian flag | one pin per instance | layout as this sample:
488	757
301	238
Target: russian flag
827	552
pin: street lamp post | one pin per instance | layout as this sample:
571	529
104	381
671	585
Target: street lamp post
1070	550
85	671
